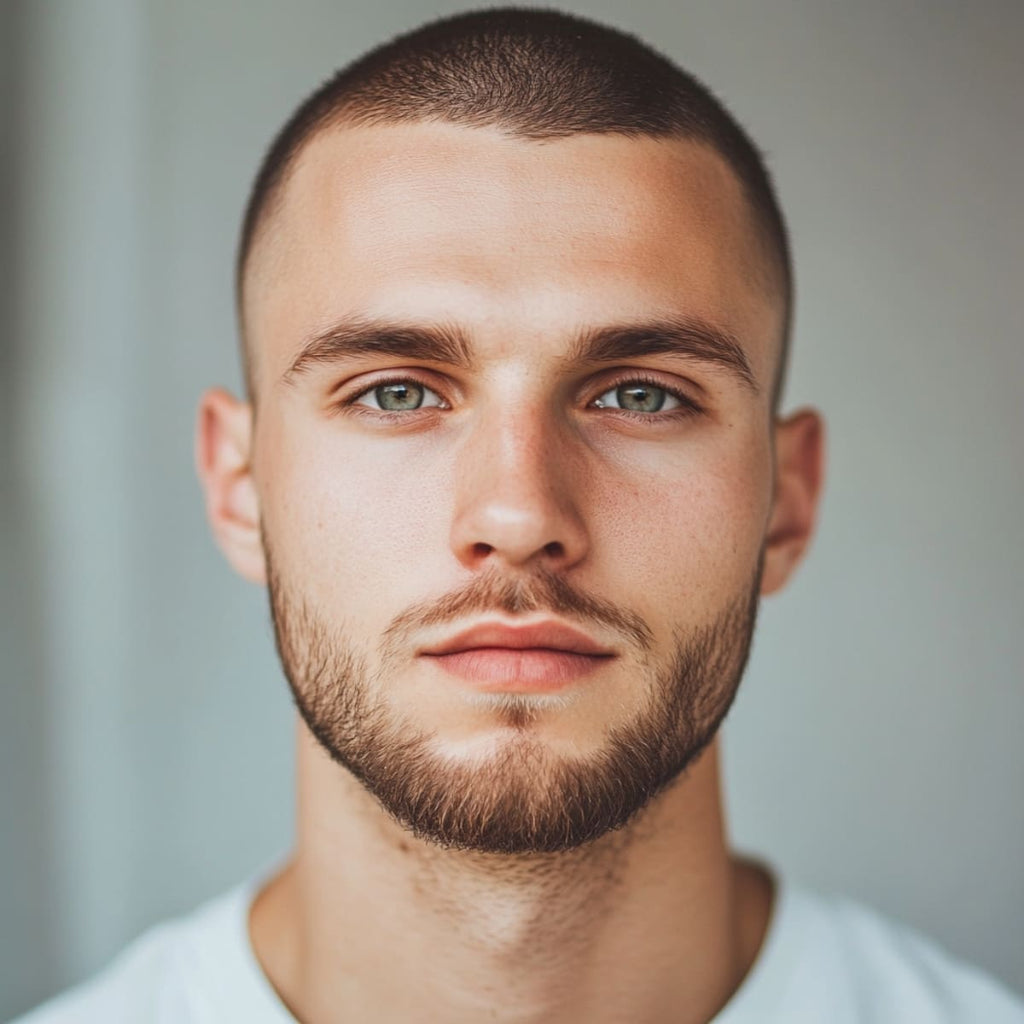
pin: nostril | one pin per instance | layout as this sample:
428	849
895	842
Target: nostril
554	549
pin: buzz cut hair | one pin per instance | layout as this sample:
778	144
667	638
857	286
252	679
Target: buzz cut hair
536	74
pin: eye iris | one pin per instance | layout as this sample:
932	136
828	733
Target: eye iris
640	398
399	397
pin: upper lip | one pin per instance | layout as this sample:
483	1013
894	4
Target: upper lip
552	635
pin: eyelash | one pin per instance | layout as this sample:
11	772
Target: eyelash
687	406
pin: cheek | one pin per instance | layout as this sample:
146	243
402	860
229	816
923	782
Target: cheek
683	532
354	526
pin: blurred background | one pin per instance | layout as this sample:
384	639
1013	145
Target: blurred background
145	730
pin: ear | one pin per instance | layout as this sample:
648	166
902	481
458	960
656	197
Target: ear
223	461
799	466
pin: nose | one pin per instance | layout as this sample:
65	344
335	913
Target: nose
516	494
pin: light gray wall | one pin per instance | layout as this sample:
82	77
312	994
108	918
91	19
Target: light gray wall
145	727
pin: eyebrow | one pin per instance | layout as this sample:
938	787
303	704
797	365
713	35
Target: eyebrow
686	337
354	337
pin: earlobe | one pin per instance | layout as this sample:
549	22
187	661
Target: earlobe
799	470
223	462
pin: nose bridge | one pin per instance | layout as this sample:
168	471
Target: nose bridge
519	440
514	493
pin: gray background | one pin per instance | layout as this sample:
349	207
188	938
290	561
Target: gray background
145	733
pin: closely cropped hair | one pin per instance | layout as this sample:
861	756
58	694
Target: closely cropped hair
536	74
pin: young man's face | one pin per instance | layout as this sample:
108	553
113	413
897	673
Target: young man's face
402	496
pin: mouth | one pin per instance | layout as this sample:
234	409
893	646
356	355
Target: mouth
536	658
519	670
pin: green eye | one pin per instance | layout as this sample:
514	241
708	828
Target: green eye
638	396
398	396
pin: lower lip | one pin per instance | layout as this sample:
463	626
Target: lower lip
525	670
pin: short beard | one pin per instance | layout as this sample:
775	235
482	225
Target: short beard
524	799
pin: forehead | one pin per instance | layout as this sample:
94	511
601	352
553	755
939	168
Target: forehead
517	241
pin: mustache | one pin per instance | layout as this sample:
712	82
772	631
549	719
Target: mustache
541	590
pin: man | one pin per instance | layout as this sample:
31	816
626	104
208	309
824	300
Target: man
515	297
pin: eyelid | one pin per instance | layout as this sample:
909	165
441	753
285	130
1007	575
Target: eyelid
407	377
687	403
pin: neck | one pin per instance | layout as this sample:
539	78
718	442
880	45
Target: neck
655	922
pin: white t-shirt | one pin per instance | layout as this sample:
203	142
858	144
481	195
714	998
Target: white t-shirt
825	960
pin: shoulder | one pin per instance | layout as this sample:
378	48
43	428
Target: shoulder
893	968
131	988
833	958
158	978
